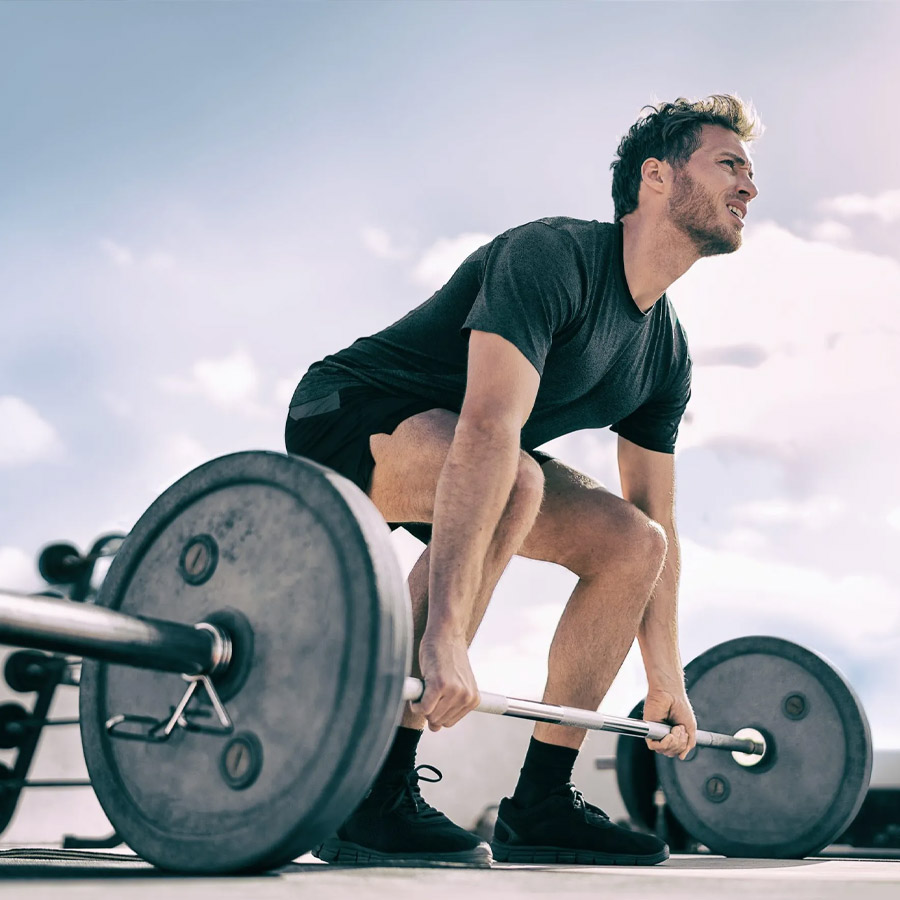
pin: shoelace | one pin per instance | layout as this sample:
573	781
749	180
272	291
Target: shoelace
579	802
408	792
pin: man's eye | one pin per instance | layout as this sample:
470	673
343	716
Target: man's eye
729	162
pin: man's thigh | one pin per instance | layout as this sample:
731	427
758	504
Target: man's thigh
408	463
338	435
581	524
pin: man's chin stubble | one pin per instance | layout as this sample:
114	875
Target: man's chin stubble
714	243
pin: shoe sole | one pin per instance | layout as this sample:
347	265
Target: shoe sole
512	854
346	853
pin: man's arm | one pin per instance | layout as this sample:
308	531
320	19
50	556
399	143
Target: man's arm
472	492
648	481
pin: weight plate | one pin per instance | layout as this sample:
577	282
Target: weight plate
14	719
60	563
9	796
305	561
638	783
813	780
31	670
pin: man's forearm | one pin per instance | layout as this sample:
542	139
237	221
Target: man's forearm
658	631
472	493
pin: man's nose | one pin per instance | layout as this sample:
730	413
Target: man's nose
748	189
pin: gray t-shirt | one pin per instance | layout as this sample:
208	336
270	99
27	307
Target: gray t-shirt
556	289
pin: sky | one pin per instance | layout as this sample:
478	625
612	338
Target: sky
198	200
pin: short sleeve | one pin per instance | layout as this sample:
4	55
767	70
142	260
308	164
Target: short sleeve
532	287
654	425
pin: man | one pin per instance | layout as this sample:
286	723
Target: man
552	327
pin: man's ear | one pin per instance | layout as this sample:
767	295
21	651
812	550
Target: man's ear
656	174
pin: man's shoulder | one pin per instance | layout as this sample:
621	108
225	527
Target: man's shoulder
578	229
585	238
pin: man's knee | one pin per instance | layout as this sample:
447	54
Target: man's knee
643	543
631	542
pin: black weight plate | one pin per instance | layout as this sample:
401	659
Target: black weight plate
638	782
9	796
60	563
30	670
14	720
306	560
810	787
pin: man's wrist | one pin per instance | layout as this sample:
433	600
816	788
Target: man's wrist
670	680
443	631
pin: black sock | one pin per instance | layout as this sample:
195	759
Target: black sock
402	755
547	766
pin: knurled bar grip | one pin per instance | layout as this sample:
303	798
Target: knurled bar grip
98	633
499	705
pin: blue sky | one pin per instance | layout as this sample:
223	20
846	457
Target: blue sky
198	200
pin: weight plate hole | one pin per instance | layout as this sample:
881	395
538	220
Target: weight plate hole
795	706
199	559
241	760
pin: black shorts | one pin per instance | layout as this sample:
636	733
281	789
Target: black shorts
335	432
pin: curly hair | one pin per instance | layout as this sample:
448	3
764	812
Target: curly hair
671	132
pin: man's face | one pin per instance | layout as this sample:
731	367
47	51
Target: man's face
716	177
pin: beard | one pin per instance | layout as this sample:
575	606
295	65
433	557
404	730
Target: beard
696	213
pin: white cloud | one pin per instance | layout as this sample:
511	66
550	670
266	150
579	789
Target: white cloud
379	243
230	382
816	512
18	571
117	253
832	232
183	452
745	540
160	260
441	260
119	405
884	206
784	595
25	437
125	257
827	326
284	390
173	456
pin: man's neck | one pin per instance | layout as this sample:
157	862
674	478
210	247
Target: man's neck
655	256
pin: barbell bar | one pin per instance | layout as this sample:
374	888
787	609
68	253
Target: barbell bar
42	623
93	632
501	705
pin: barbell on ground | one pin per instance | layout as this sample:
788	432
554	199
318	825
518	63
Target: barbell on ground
252	643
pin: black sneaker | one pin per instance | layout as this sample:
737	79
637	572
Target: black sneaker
564	828
394	826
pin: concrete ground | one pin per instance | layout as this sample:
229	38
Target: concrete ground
103	876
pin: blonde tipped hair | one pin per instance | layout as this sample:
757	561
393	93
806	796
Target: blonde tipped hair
671	132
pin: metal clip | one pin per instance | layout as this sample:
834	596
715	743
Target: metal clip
146	728
150	730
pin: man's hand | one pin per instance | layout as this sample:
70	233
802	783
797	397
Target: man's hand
673	708
450	689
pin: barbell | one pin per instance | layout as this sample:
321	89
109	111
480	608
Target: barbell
247	662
